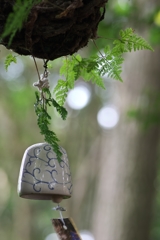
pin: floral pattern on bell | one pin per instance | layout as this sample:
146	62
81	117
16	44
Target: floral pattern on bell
42	175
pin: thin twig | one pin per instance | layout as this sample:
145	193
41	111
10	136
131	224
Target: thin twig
98	49
106	38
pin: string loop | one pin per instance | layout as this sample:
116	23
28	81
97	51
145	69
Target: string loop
43	81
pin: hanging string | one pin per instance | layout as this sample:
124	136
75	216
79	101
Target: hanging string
45	64
42	82
43	78
64	226
36	67
60	209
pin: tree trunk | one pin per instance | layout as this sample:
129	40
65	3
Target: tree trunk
125	194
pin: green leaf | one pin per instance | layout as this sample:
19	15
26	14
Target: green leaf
131	41
110	63
16	19
67	70
43	121
61	110
61	91
9	59
95	67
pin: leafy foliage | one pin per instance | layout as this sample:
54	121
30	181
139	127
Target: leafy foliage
16	19
43	119
72	69
9	59
90	69
94	68
61	110
61	91
130	41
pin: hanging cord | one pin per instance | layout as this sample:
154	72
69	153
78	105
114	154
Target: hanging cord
43	78
60	209
42	82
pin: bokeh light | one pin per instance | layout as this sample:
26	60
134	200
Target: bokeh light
86	235
107	117
79	97
52	236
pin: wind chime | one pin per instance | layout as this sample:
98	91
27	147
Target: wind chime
45	172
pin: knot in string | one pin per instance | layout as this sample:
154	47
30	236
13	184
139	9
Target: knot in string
43	81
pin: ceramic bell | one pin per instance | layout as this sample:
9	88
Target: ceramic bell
42	176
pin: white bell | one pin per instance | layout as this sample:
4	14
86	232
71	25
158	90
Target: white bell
42	176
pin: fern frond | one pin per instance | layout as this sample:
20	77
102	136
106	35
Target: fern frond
71	70
61	110
61	91
91	64
88	70
94	68
43	121
119	47
110	63
80	64
131	41
9	59
67	70
112	60
16	19
93	76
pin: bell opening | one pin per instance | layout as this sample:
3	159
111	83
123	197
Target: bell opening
55	198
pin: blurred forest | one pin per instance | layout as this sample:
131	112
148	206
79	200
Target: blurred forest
114	163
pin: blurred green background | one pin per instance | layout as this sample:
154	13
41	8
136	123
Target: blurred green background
112	139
